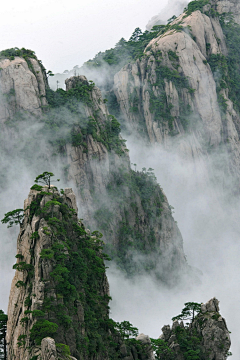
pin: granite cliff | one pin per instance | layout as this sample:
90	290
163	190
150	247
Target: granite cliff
181	93
60	288
22	84
75	130
58	303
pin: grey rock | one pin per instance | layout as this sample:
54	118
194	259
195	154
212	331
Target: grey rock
211	328
48	349
40	283
138	80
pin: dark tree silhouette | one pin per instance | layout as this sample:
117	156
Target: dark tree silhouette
189	312
13	217
3	330
45	178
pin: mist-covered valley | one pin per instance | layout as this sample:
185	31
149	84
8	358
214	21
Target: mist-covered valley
172	93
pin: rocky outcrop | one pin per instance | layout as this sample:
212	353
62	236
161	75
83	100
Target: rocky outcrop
113	198
58	304
50	294
189	62
228	6
207	333
90	166
128	207
22	87
176	7
49	351
172	94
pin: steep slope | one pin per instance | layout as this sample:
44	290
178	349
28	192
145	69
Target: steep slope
59	296
22	83
182	92
58	303
77	132
60	288
127	206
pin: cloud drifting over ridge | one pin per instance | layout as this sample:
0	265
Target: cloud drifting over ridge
173	7
210	230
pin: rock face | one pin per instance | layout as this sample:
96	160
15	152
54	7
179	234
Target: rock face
91	165
173	95
58	303
22	87
49	351
127	206
208	327
50	294
228	6
59	297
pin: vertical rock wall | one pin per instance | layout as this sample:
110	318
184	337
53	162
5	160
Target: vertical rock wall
171	94
50	295
22	88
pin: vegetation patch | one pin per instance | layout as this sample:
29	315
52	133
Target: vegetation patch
195	5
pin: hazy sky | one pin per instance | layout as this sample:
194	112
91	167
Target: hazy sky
67	33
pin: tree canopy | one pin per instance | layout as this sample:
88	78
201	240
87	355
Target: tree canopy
13	217
45	178
189	312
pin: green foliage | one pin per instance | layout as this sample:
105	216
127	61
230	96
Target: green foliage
189	312
3	330
34	235
162	350
159	105
77	276
63	349
231	65
77	133
216	316
196	5
218	63
189	340
179	80
37	313
13	217
36	187
21	340
47	254
190	343
171	19
28	301
172	55
24	320
11	53
125	51
22	266
45	178
81	92
103	216
26	54
20	283
126	329
41	329
131	189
